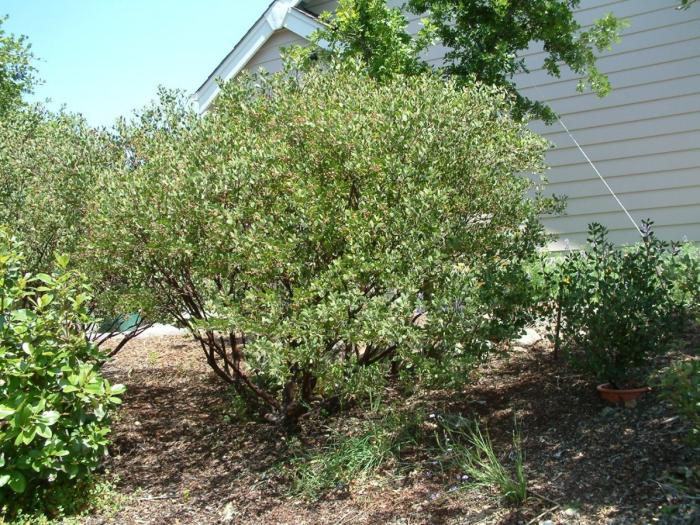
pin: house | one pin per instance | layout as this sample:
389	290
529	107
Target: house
644	137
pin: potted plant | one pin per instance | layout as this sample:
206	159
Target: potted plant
618	310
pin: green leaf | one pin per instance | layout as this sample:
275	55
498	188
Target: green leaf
49	417
20	315
117	389
6	411
4	479
94	388
62	261
18	482
45	300
27	435
45	278
99	412
44	431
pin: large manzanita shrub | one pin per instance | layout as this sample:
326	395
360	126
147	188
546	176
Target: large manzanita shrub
54	404
328	231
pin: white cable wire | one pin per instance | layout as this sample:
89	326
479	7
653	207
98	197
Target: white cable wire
573	139
599	175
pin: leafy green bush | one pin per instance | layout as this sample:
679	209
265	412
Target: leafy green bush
51	169
54	405
17	73
681	386
307	230
685	273
617	305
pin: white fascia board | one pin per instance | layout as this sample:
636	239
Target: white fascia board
233	63
281	14
303	24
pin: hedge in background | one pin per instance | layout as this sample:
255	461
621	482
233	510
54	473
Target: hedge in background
50	165
318	236
51	170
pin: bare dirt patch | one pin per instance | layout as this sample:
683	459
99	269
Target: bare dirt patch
179	459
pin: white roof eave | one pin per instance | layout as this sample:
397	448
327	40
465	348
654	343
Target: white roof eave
280	15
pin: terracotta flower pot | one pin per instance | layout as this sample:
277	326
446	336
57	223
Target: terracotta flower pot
626	396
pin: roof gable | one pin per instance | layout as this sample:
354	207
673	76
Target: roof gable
281	14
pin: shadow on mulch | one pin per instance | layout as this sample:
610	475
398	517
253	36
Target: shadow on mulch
181	463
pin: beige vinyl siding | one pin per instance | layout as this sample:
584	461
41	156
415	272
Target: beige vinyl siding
268	56
319	6
644	137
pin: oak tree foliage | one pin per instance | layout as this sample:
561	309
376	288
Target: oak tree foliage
17	72
485	41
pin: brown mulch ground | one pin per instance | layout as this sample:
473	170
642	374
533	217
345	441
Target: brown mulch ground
179	461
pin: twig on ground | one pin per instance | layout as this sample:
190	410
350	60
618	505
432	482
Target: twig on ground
542	515
556	506
344	517
153	498
544	498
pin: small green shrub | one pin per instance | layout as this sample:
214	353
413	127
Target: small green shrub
54	405
617	305
685	273
68	504
51	170
681	386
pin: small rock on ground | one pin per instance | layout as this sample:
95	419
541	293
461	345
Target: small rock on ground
529	338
